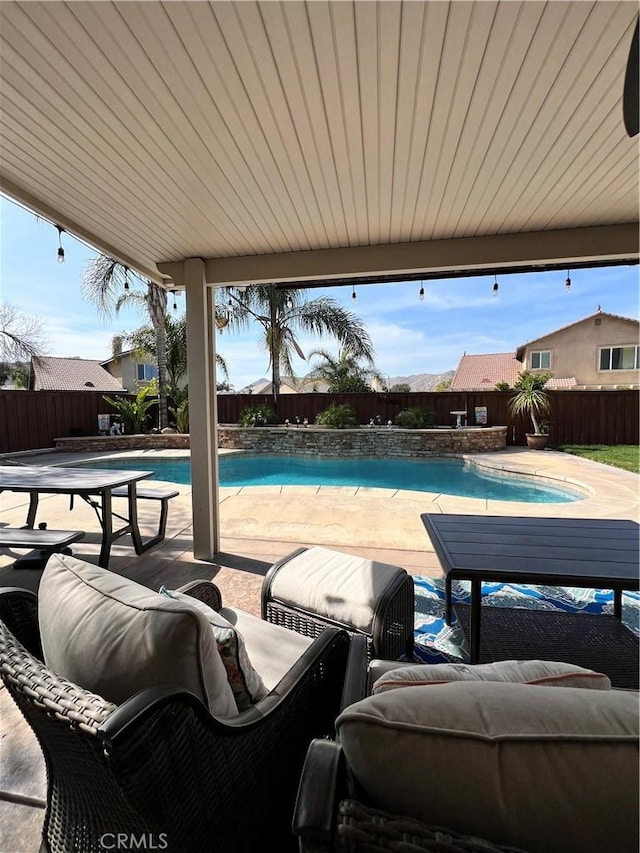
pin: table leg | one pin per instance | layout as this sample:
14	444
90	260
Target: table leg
447	598
476	606
617	603
107	528
133	519
33	509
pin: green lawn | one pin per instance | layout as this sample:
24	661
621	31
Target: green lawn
625	456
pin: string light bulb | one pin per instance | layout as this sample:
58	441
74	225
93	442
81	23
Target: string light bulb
567	283
495	285
60	249
421	293
354	295
126	278
175	304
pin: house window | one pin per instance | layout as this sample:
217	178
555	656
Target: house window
620	358
541	360
146	372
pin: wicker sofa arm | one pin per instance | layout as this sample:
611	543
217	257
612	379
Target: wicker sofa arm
356	675
19	612
205	591
320	790
327	651
327	820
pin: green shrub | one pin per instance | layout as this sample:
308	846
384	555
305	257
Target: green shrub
337	416
133	412
502	386
181	416
257	416
415	418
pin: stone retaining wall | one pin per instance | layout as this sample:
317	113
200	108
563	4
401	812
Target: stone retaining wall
363	442
312	441
168	441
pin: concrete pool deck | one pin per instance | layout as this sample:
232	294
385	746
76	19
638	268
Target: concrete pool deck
259	525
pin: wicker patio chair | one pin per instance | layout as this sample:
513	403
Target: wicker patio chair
160	768
334	814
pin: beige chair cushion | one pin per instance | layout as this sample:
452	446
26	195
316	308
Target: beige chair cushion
334	585
273	649
541	672
115	637
244	680
544	770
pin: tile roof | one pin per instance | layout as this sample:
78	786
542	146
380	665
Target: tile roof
561	382
72	374
482	372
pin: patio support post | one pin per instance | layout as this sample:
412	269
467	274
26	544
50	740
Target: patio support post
203	418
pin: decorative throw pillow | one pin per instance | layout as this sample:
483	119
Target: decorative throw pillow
245	682
547	673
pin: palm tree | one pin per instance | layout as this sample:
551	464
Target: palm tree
105	283
144	341
344	374
282	312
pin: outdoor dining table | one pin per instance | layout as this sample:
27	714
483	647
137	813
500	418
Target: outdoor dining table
95	486
591	553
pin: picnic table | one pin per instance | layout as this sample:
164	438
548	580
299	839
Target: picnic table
95	486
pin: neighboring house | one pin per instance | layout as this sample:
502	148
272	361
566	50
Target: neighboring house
288	385
483	372
598	352
133	371
72	374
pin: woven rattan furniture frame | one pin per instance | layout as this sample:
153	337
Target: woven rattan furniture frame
332	814
391	634
160	766
594	641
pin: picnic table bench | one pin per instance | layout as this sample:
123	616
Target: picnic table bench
42	542
153	493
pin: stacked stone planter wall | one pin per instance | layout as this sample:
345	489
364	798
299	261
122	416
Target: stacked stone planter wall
313	441
363	442
169	441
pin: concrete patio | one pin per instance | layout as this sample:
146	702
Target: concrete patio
259	525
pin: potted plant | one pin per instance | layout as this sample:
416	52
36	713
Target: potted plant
530	398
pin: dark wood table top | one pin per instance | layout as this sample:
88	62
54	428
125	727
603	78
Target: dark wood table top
578	551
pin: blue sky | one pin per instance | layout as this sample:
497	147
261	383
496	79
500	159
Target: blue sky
409	336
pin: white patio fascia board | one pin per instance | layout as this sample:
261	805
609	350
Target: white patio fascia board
94	240
612	243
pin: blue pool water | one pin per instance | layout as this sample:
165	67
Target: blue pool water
448	476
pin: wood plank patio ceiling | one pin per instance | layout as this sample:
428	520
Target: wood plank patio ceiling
161	131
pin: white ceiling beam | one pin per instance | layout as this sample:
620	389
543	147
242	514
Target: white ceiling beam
612	243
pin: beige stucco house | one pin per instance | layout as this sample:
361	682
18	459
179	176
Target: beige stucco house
133	371
598	352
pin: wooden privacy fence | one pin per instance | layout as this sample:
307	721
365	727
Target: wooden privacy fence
576	417
33	419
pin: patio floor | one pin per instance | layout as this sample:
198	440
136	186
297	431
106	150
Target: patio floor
259	525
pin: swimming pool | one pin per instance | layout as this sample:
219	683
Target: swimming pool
448	476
